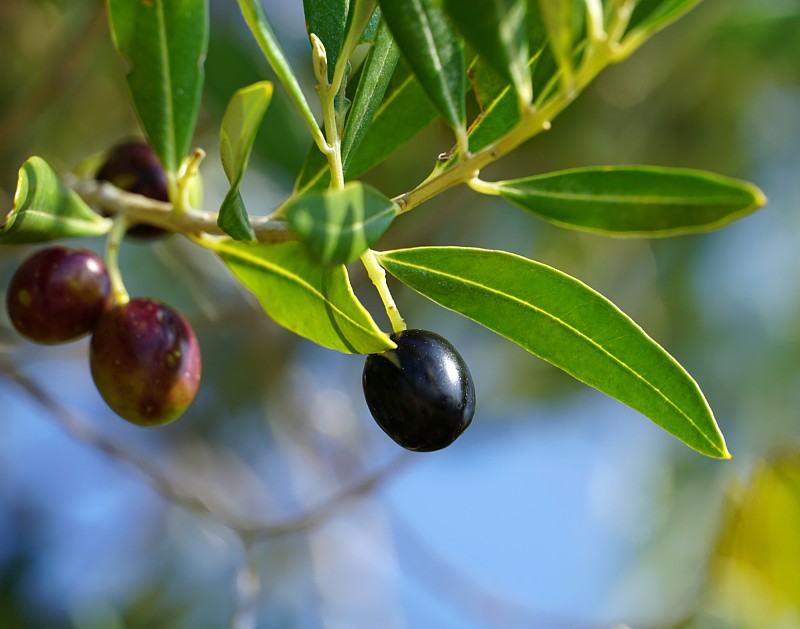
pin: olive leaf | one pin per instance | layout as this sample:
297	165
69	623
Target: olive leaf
239	128
46	209
165	43
634	200
563	321
339	225
310	299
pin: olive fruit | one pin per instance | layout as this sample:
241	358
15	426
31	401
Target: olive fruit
58	294
421	393
134	167
145	362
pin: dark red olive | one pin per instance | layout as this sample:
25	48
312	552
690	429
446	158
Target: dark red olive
58	294
134	167
421	393
145	362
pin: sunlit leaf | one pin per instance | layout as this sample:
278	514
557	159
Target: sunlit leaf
566	323
312	300
634	200
499	103
239	128
434	53
339	225
496	30
557	16
652	15
165	43
46	209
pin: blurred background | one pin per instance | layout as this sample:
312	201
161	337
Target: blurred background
276	501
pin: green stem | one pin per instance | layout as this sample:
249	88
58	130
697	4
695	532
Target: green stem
186	175
262	31
533	122
327	97
115	236
378	277
484	187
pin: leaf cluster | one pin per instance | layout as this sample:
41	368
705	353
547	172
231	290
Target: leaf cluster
518	63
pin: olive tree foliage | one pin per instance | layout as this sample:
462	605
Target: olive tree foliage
518	64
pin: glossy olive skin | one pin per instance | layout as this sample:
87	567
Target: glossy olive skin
145	362
421	393
134	167
58	294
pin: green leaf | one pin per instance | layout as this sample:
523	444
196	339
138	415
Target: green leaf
435	54
165	43
650	16
499	103
403	113
46	209
379	67
563	321
634	200
557	15
326	19
239	128
314	301
496	30
339	225
265	37
368	36
315	173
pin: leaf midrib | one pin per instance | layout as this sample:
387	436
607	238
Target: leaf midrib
624	199
170	106
571	329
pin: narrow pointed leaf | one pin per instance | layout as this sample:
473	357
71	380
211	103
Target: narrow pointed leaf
496	30
262	31
165	43
563	321
498	101
379	67
368	36
239	128
557	15
314	301
339	225
46	209
434	53
650	16
403	113
635	200
326	19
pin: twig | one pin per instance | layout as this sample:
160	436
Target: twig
161	483
139	209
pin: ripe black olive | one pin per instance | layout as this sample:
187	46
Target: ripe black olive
421	393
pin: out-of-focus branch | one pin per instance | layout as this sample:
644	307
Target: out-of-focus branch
170	490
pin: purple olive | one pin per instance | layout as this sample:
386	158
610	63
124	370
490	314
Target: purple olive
58	294
145	362
134	167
